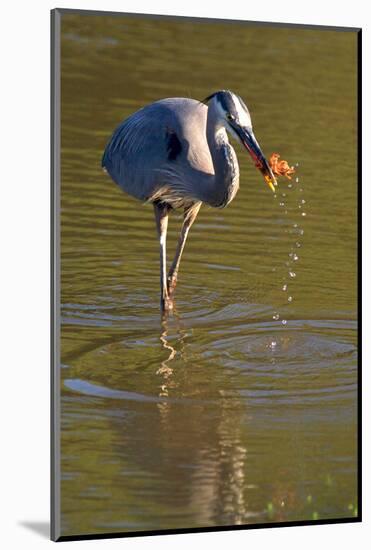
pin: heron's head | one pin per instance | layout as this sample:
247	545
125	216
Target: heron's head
233	114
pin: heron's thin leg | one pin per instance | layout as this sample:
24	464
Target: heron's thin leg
190	214
161	216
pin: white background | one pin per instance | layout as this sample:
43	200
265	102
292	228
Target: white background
24	270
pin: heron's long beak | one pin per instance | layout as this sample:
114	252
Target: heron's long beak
249	141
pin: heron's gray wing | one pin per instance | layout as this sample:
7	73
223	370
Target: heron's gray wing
143	149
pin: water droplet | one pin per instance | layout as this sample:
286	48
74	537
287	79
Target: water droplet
284	321
299	205
284	287
283	194
292	274
276	316
301	231
297	244
297	180
289	299
289	185
295	257
302	201
295	225
272	345
297	164
282	204
303	213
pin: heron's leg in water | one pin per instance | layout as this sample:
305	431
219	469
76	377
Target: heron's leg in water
190	214
161	216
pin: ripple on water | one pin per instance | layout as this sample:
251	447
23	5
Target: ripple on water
260	362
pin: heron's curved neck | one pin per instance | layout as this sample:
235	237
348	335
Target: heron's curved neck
226	170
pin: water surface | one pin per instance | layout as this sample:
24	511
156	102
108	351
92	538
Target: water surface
221	415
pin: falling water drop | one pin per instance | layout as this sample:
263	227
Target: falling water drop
296	230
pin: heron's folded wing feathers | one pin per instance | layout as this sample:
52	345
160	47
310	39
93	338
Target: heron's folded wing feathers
140	151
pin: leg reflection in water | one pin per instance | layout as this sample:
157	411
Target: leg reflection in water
202	432
165	369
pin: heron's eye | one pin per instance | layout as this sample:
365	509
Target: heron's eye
230	117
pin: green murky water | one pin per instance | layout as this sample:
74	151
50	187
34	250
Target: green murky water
222	415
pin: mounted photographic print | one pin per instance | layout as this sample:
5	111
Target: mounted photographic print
205	213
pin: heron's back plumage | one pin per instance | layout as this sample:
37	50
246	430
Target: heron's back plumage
161	148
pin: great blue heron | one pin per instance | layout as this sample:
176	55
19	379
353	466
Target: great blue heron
175	153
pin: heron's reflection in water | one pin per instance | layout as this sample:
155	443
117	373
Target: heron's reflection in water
165	371
214	465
